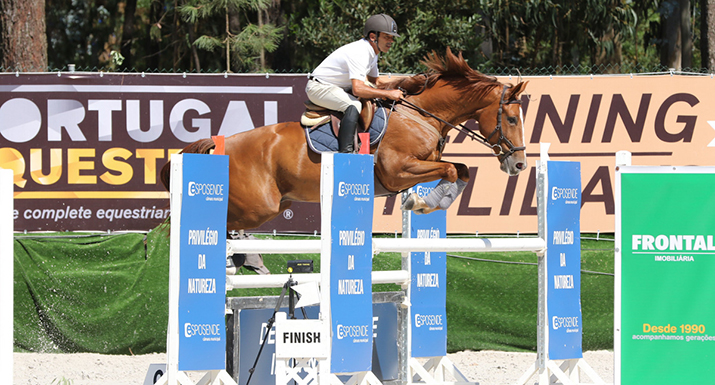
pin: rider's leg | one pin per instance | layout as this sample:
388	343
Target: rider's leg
337	99
348	126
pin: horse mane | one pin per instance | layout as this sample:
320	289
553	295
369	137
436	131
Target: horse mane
452	69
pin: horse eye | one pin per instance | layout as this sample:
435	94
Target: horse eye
512	120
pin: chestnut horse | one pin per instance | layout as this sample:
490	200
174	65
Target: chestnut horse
271	166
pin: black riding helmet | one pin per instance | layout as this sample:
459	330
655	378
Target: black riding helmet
381	23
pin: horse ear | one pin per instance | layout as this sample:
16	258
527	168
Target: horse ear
515	91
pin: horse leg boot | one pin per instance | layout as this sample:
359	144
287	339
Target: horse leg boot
441	197
346	134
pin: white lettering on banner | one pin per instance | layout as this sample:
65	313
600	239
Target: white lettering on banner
569	195
203	237
202	286
647	242
350	286
428	280
674	258
351	237
353	331
67	115
430	320
423	191
357	189
563	281
564	322
205	189
271	334
191	330
564	237
430	233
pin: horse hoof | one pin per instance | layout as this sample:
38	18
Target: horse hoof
409	203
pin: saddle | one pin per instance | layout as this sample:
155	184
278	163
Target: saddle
321	126
316	116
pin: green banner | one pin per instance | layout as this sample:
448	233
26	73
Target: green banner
667	264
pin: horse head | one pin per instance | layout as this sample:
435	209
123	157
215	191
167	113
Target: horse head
502	126
461	93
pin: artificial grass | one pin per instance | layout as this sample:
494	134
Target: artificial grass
108	294
492	304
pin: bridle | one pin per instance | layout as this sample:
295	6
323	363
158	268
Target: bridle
476	135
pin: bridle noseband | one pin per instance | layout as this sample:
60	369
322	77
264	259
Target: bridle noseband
476	135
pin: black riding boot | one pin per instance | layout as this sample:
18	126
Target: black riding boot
346	134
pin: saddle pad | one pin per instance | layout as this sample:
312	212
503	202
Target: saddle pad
322	139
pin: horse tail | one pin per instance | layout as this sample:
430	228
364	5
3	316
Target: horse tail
203	146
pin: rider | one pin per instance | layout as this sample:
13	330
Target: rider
344	71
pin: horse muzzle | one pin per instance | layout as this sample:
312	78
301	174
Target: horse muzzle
513	162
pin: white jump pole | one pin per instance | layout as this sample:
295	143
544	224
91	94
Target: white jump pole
397	245
7	260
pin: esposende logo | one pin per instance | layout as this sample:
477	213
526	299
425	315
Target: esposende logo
428	320
352	331
201	330
563	193
356	189
423	191
564	322
212	191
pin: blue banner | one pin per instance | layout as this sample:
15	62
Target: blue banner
429	283
202	295
563	260
253	323
351	263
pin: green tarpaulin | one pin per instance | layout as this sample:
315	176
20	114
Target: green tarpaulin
95	293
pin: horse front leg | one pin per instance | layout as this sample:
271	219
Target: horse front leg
443	195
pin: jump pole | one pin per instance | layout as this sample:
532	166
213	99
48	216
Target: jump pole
7	260
426	323
559	318
196	336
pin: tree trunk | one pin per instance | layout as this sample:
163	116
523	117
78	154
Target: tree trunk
23	36
707	34
671	50
686	34
128	33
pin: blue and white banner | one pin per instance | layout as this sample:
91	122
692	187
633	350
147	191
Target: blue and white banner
202	295
563	241
351	263
253	323
429	283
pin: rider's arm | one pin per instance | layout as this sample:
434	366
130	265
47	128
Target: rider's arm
362	90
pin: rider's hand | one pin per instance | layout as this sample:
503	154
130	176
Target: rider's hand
393	94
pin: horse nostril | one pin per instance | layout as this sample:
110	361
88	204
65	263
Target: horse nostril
521	166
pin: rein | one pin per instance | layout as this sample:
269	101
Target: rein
475	135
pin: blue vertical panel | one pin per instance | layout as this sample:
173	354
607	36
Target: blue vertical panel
563	241
252	331
202	295
429	283
351	263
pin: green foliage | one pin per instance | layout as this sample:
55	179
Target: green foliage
558	32
424	26
535	36
247	44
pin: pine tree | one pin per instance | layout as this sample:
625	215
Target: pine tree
242	41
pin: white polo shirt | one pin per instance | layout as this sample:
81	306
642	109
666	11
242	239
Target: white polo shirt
355	60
